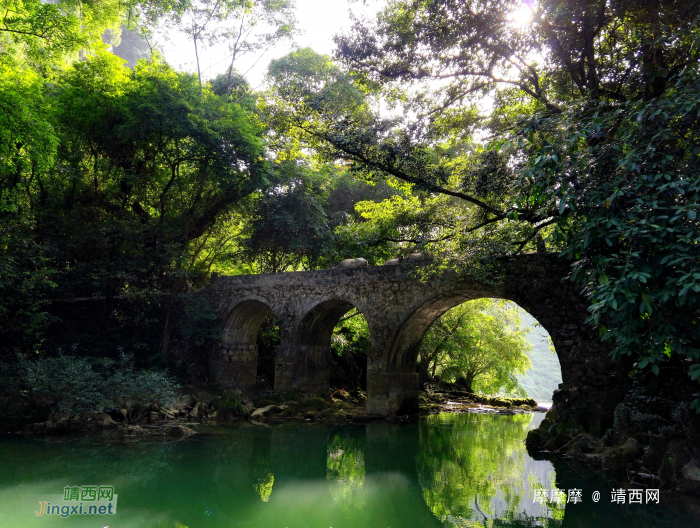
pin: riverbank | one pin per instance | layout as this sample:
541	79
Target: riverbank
195	407
455	401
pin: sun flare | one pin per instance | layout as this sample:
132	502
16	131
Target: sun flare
522	16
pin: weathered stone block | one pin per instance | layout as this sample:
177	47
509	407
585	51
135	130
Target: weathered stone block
391	393
237	365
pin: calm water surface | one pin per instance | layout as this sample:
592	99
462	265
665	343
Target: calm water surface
445	470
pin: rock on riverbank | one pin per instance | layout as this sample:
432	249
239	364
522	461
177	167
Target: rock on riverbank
654	440
435	401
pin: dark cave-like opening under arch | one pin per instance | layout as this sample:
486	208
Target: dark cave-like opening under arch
238	351
313	344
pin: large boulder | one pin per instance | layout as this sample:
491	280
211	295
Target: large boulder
352	263
194	412
267	411
178	431
341	395
537	439
419	258
182	403
104	419
619	457
690	481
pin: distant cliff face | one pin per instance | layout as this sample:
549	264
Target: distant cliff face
545	376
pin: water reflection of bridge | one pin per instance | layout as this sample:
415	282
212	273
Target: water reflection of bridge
407	475
447	470
315	471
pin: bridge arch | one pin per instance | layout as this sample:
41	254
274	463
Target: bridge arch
406	347
243	320
237	358
317	324
403	352
312	342
540	285
406	344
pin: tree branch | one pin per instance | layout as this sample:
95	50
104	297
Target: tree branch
359	156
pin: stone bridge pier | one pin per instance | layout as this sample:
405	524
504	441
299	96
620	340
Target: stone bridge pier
399	308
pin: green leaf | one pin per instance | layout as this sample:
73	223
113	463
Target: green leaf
695	405
694	372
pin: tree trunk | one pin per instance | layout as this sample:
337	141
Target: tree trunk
469	379
168	326
165	341
423	373
199	73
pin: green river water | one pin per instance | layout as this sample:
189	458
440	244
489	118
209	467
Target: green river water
459	470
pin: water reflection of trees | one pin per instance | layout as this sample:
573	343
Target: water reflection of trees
474	472
346	472
84	460
264	487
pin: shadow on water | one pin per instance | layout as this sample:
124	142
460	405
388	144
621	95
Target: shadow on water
443	470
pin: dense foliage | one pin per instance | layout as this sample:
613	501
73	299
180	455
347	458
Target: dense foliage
133	166
350	346
562	125
69	385
632	222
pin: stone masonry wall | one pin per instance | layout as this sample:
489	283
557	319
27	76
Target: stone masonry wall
236	365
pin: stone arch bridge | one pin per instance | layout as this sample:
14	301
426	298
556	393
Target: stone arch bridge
399	307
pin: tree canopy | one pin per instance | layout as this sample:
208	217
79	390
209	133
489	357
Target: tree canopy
108	174
480	342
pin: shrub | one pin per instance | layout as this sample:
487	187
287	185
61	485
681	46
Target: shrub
229	406
139	391
63	384
74	385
